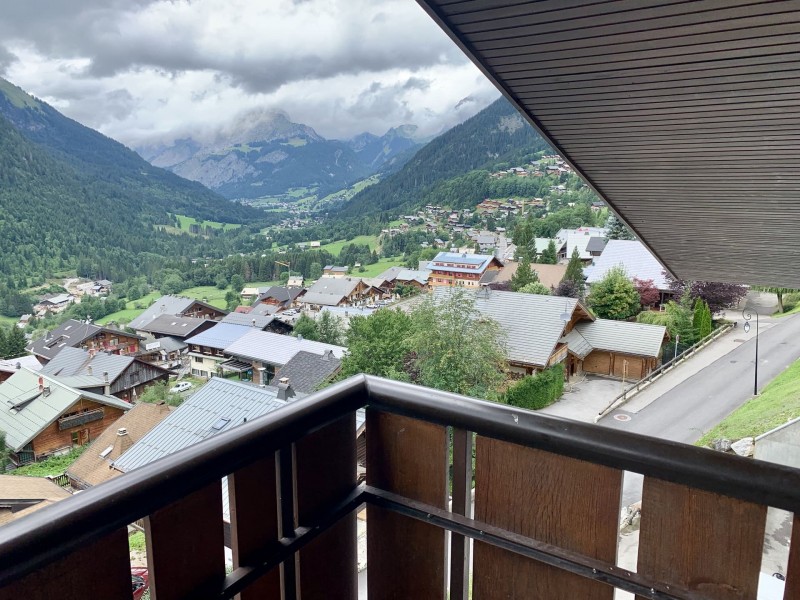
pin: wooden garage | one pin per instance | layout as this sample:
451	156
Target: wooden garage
616	349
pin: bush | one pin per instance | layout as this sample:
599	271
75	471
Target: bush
538	391
790	301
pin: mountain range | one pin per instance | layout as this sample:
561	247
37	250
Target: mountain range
264	154
495	135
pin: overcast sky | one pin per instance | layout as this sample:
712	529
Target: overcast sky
147	70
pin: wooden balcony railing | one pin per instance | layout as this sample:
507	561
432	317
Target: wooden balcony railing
545	525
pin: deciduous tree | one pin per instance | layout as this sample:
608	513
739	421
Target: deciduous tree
329	328
378	344
648	293
535	287
614	296
457	349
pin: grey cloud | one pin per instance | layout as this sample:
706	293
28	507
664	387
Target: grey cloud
7	58
107	32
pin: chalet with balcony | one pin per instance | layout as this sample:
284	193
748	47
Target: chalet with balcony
340	291
264	353
166	352
125	377
454	269
540	331
568	240
88	336
175	326
281	297
177	306
207	349
42	416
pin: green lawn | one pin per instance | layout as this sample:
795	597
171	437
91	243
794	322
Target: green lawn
779	402
336	247
4	320
207	293
186	221
379	267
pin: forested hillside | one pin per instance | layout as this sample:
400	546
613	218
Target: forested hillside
124	173
496	134
55	219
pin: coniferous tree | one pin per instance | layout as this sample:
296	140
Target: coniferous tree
574	271
617	230
15	343
523	275
549	255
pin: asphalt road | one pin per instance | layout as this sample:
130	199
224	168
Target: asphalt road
691	408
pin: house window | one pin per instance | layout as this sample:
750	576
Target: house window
198	359
75	438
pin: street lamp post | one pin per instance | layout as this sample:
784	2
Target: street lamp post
747	316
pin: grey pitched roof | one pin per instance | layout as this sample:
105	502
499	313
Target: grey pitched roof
69	334
173	325
622	336
577	344
221	402
277	349
532	324
409	275
220	336
76	361
392	272
166	305
596	244
323	299
336	286
25	411
9	365
263	309
167	344
280	293
633	257
248	319
307	370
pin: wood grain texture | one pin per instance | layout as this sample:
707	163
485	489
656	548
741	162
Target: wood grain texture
325	472
406	557
101	569
561	501
185	541
792	589
253	497
701	541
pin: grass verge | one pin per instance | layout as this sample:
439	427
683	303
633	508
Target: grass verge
778	403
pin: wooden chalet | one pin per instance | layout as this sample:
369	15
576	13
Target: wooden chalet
88	336
125	377
42	416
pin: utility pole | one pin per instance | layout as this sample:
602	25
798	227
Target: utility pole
747	316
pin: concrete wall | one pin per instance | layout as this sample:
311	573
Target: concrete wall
781	445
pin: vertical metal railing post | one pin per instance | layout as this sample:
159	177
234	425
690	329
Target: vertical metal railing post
461	505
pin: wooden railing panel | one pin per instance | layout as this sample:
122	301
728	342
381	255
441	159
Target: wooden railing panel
701	541
185	554
792	589
325	472
101	569
405	557
253	499
561	501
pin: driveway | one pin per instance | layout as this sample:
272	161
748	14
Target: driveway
584	397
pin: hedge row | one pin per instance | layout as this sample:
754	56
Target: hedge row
538	391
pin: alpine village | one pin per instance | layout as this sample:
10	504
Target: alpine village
513	356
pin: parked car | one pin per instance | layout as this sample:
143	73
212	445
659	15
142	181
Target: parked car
181	387
140	580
